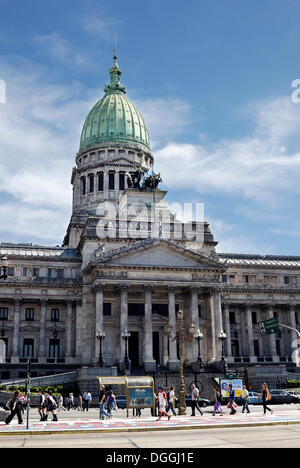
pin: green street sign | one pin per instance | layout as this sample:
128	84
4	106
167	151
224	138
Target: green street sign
269	327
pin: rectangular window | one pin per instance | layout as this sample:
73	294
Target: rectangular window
83	185
286	280
224	278
50	273
60	274
3	313
200	310
111	181
107	309
100	182
10	271
54	350
246	278
36	272
28	348
121	181
54	315
29	315
256	348
137	310
25	272
254	318
91	181
232	318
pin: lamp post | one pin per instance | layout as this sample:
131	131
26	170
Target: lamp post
199	338
4	265
28	384
101	336
180	336
126	335
222	337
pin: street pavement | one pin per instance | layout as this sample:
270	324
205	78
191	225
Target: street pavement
74	422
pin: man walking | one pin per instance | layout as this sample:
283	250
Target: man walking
195	398
162	402
87	398
171	400
245	397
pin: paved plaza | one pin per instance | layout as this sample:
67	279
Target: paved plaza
74	422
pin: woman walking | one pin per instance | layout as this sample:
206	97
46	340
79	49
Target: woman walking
111	402
15	406
102	401
266	397
217	400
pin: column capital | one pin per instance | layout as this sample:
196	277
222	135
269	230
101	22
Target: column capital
172	289
98	288
44	301
124	287
148	288
17	301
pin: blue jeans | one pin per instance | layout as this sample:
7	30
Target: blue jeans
171	407
103	413
246	406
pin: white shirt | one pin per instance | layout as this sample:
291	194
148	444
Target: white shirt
195	394
161	399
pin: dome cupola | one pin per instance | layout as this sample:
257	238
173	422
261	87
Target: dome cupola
115	119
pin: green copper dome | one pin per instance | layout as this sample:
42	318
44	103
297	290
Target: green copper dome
115	119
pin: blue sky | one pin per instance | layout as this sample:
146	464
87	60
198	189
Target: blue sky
213	81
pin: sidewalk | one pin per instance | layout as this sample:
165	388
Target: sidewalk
84	424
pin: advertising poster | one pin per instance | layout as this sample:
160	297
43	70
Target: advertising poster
237	385
140	397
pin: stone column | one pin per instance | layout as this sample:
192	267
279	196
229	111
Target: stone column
227	329
16	334
218	322
69	330
293	322
149	363
173	359
99	289
195	321
123	319
43	333
78	331
250	333
272	338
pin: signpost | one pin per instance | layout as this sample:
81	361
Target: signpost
269	327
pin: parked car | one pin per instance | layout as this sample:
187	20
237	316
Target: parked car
203	403
254	399
295	394
281	397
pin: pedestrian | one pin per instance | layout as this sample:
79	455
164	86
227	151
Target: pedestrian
42	405
171	401
15	406
102	401
51	407
23	400
245	397
155	409
266	397
232	400
217	402
162	404
61	403
195	398
70	401
87	398
80	407
111	402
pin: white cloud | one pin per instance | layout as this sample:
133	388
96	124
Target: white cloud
260	167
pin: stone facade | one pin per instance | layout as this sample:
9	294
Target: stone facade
128	264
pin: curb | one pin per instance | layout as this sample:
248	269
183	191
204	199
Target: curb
148	429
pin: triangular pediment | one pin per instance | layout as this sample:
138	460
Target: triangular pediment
122	161
159	254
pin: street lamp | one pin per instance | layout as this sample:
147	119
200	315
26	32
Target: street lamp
180	336
199	338
222	337
101	336
4	264
126	335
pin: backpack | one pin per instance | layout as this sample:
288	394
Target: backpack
168	396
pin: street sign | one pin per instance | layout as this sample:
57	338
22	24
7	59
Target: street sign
269	327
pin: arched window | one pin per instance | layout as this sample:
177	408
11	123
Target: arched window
91	183
100	182
83	185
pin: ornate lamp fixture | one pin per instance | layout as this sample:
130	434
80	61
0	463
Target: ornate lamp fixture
101	336
180	337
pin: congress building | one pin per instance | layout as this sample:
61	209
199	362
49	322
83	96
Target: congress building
109	297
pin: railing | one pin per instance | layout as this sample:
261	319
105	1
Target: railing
51	380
